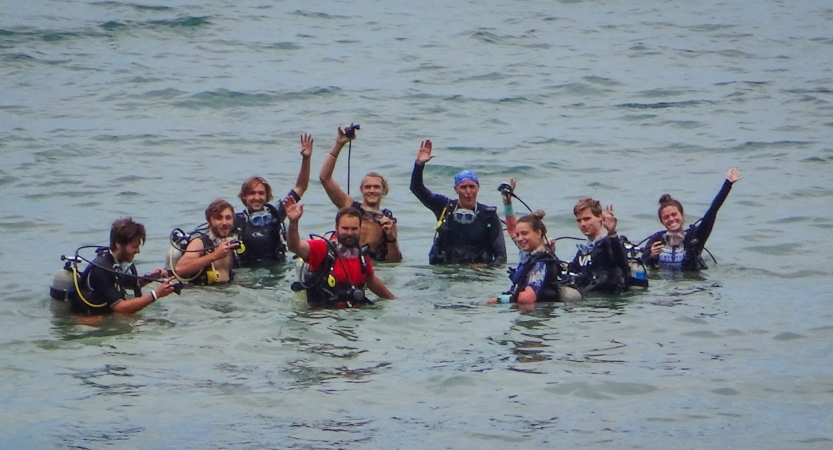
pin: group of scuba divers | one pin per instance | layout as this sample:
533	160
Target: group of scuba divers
336	269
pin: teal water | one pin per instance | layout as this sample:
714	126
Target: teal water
110	109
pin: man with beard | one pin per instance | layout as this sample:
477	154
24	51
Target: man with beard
467	231
378	231
104	284
212	253
338	271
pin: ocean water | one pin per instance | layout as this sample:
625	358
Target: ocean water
152	110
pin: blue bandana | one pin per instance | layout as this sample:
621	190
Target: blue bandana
465	176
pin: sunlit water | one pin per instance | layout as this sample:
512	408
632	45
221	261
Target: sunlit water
110	109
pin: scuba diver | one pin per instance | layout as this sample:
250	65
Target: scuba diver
260	228
338	270
210	258
680	249
537	277
467	231
601	263
379	230
102	287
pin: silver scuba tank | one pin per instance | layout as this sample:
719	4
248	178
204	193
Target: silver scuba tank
63	285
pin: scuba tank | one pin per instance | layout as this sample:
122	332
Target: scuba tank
63	285
638	274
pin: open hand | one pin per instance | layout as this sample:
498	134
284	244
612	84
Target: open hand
424	154
293	209
734	175
306	145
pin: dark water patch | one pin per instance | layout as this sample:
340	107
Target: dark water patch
815	440
732	35
638	117
18	57
580	89
122	138
285	46
818	90
601	81
112	25
813	192
775	250
128	178
788	336
482	35
708	27
347	41
223	98
316	15
163	93
662	105
725	391
736	54
182	22
752	145
151	7
659	93
685	124
791	220
492	76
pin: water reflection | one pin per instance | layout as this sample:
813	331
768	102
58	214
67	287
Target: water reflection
70	327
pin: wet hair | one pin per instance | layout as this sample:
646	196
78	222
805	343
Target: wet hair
535	221
216	208
249	186
384	182
349	212
587	202
667	200
124	231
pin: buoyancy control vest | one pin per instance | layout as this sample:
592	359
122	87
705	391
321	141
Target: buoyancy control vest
89	302
446	251
261	241
322	288
551	286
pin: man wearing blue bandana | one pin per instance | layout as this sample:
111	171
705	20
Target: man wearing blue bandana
467	231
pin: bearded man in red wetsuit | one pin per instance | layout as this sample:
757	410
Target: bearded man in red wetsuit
339	272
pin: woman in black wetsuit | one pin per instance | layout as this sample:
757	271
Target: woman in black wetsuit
676	248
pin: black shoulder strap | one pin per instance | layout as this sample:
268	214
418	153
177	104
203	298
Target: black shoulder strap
207	243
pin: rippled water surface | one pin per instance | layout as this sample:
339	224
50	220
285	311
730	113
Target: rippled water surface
109	108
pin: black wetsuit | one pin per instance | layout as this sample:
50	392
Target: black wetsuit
603	269
103	288
480	241
264	242
688	256
542	272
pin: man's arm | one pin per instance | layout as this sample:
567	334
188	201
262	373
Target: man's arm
137	304
337	196
498	243
377	287
391	240
302	183
434	202
191	262
293	239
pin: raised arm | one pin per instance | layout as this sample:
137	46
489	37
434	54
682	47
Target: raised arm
302	183
508	211
707	224
293	239
434	202
337	196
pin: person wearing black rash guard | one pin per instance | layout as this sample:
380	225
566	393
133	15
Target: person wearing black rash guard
260	228
467	231
379	230
681	249
105	282
601	264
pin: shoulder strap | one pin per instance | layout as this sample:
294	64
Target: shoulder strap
207	244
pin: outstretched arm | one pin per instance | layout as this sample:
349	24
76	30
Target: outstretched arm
293	239
337	196
306	155
707	224
137	304
434	202
377	287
